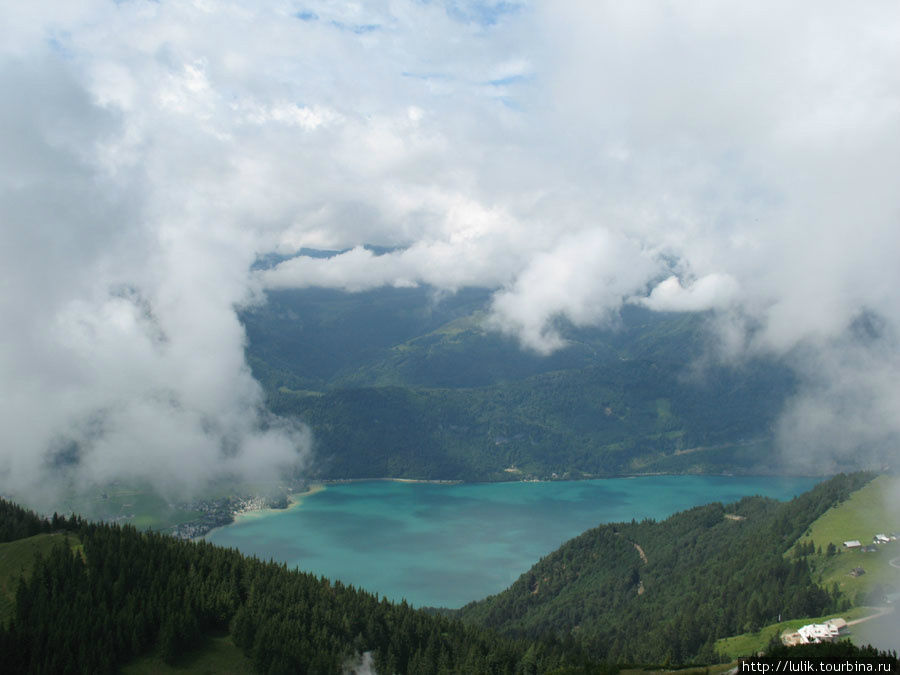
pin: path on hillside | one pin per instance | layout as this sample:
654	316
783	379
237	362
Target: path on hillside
641	553
881	612
895	563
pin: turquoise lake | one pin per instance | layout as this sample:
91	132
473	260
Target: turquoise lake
446	545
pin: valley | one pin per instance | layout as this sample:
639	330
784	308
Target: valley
408	383
683	584
579	499
449	337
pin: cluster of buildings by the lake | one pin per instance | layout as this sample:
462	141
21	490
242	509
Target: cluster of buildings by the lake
221	511
829	631
837	628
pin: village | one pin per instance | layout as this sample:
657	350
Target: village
219	512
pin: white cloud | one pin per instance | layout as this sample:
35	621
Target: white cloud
585	279
566	154
714	291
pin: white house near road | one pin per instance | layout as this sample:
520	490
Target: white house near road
823	632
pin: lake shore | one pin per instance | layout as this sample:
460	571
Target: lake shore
295	499
344	481
251	511
445	545
254	508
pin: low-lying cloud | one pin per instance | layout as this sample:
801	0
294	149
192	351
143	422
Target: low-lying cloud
574	156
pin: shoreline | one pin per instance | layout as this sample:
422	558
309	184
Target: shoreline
559	479
295	499
432	481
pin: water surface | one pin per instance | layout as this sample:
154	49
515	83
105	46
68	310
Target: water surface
445	545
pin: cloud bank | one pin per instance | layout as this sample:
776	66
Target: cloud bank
573	156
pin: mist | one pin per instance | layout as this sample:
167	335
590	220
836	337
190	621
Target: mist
574	158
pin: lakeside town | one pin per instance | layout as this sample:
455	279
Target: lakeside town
222	511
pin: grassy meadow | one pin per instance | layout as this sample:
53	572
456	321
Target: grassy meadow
16	562
751	643
866	513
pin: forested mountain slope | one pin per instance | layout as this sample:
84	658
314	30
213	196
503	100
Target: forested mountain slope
633	592
654	592
404	383
127	593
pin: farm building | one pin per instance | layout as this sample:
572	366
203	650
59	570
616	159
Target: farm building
823	632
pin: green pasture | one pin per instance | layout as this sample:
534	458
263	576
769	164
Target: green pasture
16	562
748	644
867	512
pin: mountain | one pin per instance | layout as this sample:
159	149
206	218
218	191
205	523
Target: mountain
663	592
98	596
104	595
405	382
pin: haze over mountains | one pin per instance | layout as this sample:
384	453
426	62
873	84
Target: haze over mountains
578	161
446	239
409	384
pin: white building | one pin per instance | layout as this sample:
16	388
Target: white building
823	632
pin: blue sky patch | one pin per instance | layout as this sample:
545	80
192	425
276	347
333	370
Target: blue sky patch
482	12
359	29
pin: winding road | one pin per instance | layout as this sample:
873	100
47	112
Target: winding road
895	563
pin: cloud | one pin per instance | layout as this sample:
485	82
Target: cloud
585	279
847	403
570	156
714	291
120	353
360	664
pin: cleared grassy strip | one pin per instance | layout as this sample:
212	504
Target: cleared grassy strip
748	644
218	655
866	513
17	561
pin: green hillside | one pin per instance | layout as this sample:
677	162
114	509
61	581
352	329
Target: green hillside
679	584
127	597
749	644
400	383
102	597
17	559
868	512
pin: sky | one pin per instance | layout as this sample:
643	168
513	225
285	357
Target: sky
736	158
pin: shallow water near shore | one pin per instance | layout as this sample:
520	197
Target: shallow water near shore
446	545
